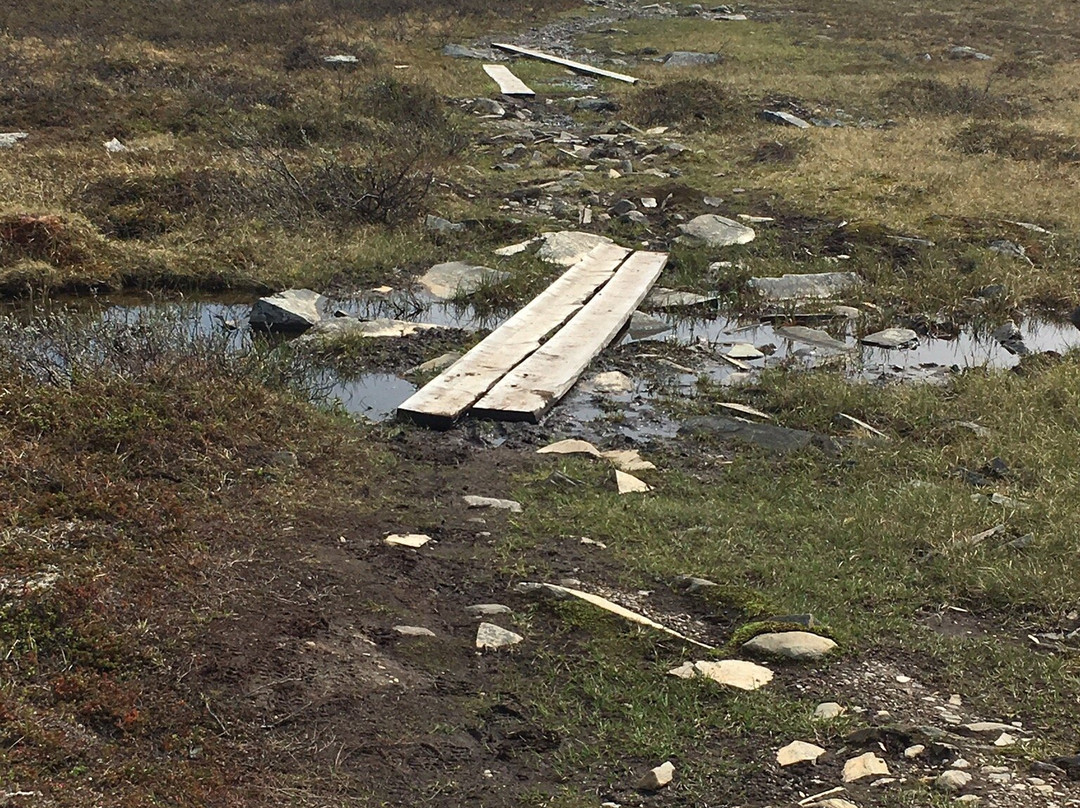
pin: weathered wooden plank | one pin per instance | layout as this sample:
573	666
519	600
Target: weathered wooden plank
558	60
509	84
448	396
537	384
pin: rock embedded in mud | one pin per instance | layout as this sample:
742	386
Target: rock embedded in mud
797	645
678	59
711	230
439	363
413	540
784	118
414	631
798	752
863	766
805	287
952	781
811	336
891	338
291	310
658	777
492	502
613	381
491	637
487	609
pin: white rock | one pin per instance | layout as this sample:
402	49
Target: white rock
570	446
514	249
448	280
952	781
9	139
414	631
657	778
828	710
612	381
1005	739
969	799
805	287
798	752
915	751
891	338
663	298
291	310
744	350
382	328
114	146
487	609
492	502
629	484
567	247
866	765
687	670
491	636
735	673
711	230
408	539
800	645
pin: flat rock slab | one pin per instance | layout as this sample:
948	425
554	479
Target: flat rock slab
711	230
291	310
612	381
736	673
465	52
491	502
487	609
691	59
799	752
567	247
867	765
784	118
448	280
414	631
744	350
798	645
491	637
891	338
805	287
773	438
338	327
812	336
643	326
413	540
9	139
663	298
629	484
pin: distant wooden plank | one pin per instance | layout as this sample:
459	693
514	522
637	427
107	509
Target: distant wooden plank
537	384
509	84
558	60
448	396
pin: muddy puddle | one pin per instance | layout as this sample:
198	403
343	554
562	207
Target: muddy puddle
633	412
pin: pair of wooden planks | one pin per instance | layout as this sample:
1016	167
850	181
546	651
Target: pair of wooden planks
513	374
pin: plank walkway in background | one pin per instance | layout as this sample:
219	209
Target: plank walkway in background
540	381
509	84
558	60
450	395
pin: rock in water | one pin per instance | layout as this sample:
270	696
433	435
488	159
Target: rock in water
891	338
291	310
813	285
715	231
491	636
444	281
799	645
657	778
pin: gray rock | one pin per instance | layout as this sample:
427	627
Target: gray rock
487	609
784	118
340	59
439	363
690	584
9	139
690	59
966	52
952	781
798	645
712	201
487	106
811	336
772	438
891	338
711	230
491	637
465	52
663	298
1010	249
622	207
644	325
291	310
441	225
414	631
492	502
340	327
798	287
448	280
635	217
592	104
567	247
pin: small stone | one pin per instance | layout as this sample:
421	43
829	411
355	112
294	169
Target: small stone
799	645
865	765
711	230
827	711
809	286
491	502
408	539
784	118
834	802
677	59
1005	739
114	146
952	781
961	763
657	778
291	310
612	382
441	225
487	609
915	751
414	631
567	247
969	799
437	364
9	139
799	752
735	673
966	52
491	636
744	350
891	338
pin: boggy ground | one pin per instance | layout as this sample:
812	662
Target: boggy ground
197	604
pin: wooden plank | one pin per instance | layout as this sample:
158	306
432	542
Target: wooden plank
448	396
558	60
509	84
537	384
